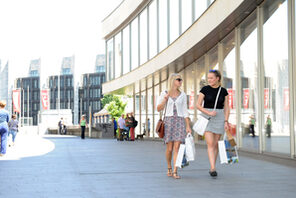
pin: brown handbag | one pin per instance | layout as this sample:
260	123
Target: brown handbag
160	125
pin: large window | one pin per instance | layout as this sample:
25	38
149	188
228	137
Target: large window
143	37
186	14
110	61
249	83
163	24
134	43
152	29
190	92
126	50
276	77
174	20
228	54
118	53
199	7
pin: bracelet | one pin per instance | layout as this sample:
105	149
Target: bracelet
226	121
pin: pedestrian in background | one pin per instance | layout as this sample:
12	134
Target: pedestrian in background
218	123
133	126
121	125
13	128
176	120
83	124
115	126
4	119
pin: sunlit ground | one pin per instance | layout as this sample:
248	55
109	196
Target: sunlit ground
28	146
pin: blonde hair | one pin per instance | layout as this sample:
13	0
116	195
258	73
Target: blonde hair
171	80
2	103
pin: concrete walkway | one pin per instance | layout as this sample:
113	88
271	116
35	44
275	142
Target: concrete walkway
66	166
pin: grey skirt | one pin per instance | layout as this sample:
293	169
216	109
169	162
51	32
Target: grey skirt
216	123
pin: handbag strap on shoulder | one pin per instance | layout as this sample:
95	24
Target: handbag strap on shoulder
166	104
217	98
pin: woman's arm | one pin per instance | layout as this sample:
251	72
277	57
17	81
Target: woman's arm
226	113
162	104
226	109
199	106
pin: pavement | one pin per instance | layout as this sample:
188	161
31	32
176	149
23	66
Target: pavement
68	167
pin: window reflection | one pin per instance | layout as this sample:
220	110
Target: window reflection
143	37
174	20
163	24
249	83
152	29
117	55
134	44
126	50
276	78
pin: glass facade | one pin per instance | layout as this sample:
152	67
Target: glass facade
258	70
276	77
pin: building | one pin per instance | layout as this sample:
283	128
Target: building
30	93
5	89
62	87
252	42
90	93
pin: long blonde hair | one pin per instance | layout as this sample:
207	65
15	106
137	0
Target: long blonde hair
171	80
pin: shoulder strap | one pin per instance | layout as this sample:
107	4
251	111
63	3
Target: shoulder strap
217	98
165	108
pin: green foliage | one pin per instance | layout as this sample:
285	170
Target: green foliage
114	105
107	99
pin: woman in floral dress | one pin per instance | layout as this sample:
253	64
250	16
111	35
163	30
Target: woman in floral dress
177	121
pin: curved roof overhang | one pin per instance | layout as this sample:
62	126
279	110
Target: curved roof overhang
219	20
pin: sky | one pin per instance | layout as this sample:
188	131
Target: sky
51	30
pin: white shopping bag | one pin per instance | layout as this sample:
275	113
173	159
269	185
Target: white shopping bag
227	153
200	125
190	147
180	156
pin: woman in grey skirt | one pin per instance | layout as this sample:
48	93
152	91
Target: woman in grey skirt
219	116
176	120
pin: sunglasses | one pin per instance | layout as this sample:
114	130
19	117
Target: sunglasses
212	70
179	79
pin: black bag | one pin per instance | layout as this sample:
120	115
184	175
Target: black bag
135	123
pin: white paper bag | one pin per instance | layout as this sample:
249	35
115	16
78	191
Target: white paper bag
227	153
180	156
190	147
200	125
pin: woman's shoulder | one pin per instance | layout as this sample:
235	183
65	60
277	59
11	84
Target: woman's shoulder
224	90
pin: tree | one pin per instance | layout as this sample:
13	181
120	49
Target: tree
114	105
107	99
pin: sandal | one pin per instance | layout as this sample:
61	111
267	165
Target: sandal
169	173
176	176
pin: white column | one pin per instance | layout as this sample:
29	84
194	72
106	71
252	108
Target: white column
237	88
260	70
292	61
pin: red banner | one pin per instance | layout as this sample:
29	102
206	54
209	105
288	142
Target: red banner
45	99
286	99
191	100
16	100
266	98
246	98
230	97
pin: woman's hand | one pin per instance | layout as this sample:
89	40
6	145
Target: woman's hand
226	126
212	113
188	130
166	97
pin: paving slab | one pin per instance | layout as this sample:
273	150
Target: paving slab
66	166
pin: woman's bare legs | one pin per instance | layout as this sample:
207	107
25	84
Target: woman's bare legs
168	155
212	143
176	149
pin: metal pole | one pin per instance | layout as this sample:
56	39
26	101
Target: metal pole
23	106
89	125
28	115
80	108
